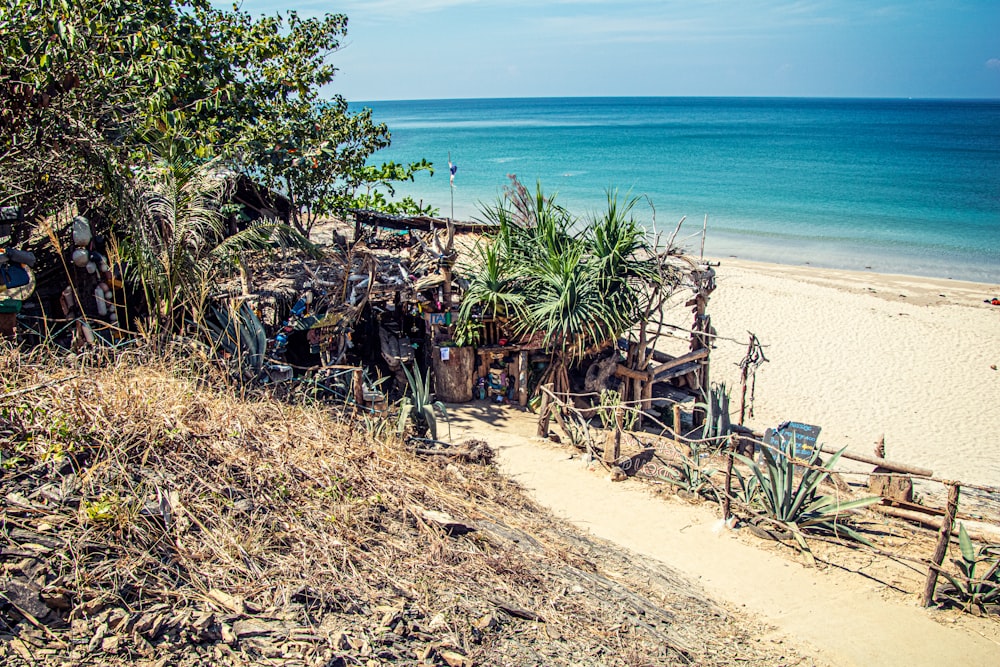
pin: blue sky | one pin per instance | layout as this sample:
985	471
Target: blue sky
413	49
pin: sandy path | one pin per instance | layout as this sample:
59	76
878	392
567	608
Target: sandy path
839	618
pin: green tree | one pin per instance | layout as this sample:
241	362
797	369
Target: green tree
84	82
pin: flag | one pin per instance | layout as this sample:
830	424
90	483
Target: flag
452	168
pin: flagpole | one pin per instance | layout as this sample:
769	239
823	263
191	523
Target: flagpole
451	180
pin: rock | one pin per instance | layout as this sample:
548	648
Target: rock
445	521
57	598
26	598
203	622
228	601
454	658
117	619
111	644
487	622
252	628
342	641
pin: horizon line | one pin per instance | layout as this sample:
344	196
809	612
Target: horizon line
707	97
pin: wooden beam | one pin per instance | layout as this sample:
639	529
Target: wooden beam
697	355
677	372
881	463
625	371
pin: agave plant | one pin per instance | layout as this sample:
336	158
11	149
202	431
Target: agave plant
689	474
977	583
748	490
418	405
717	423
790	497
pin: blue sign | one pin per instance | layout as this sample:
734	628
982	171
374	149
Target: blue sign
803	435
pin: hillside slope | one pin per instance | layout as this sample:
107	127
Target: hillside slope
149	516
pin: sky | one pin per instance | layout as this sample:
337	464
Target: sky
437	49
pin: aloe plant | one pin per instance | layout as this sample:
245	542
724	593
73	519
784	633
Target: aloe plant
977	583
418	407
797	504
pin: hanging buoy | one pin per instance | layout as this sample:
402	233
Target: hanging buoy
81	231
81	257
91	267
67	298
102	305
88	335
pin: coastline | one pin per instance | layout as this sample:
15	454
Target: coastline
866	354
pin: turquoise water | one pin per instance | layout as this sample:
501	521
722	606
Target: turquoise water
897	186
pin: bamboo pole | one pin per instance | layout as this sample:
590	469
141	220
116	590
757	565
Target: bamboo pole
944	537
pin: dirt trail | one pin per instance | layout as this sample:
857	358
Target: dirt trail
839	617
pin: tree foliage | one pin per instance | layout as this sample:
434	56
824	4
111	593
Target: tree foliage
84	83
580	285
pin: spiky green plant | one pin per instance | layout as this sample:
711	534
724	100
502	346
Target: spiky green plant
748	490
977	583
580	287
717	424
689	474
791	497
608	408
492	290
418	406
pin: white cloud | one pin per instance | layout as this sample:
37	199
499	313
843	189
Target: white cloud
993	63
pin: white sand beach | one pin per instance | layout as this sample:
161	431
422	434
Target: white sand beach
864	354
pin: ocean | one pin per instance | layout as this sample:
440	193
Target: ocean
893	186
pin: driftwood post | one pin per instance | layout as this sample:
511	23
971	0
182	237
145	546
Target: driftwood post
522	378
359	386
677	423
726	499
944	536
543	412
613	448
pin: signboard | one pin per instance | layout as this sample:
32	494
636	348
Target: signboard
804	436
440	319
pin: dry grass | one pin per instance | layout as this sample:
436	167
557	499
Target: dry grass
161	515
